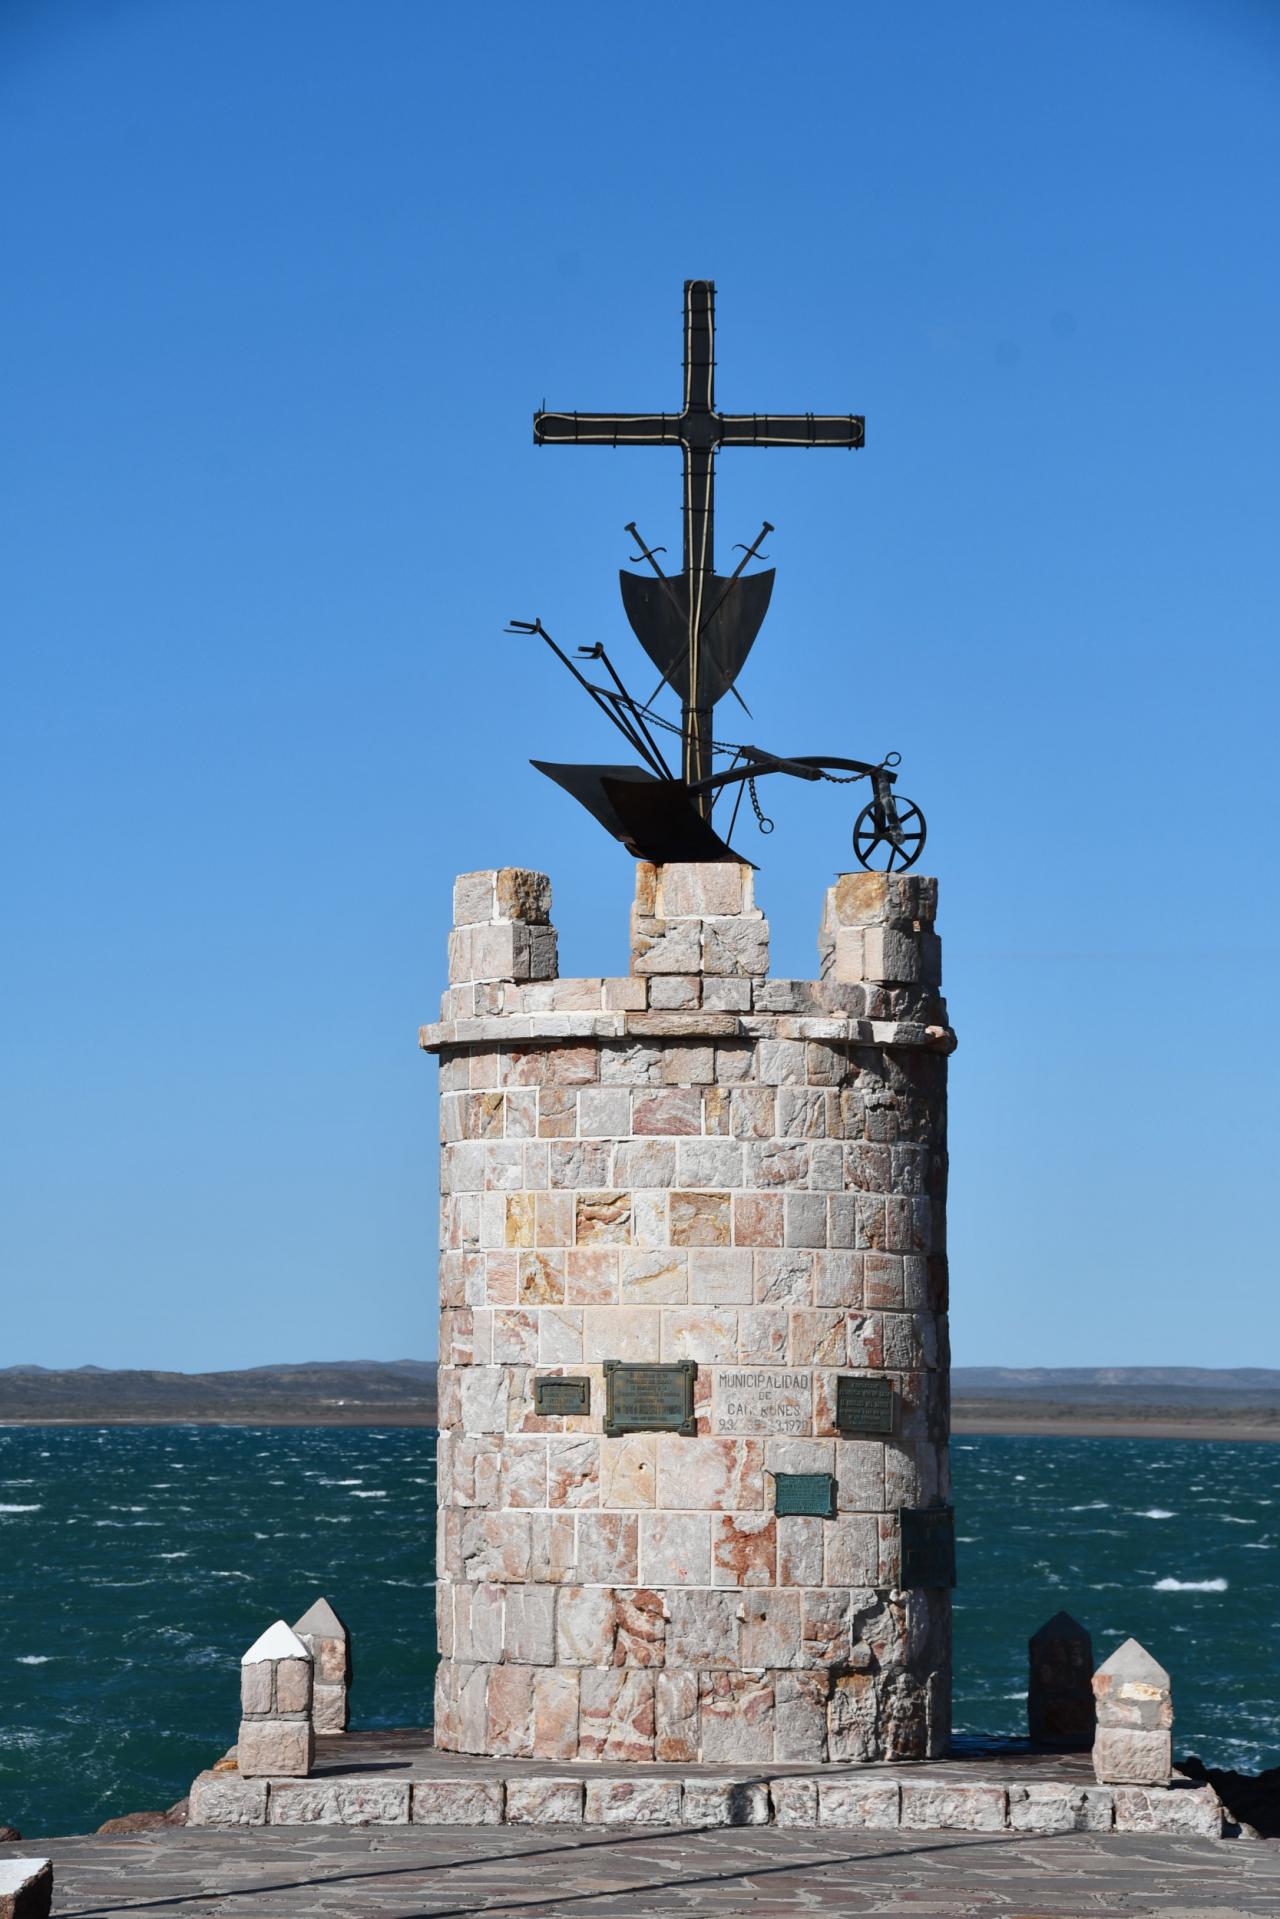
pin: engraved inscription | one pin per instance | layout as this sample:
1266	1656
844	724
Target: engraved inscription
562	1398
650	1399
863	1405
813	1494
928	1546
763	1399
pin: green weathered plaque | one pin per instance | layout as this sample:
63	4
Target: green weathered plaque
562	1398
863	1406
649	1399
928	1546
811	1493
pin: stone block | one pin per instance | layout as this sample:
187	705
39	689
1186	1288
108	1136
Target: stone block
662	946
544	1802
556	1695
457	1802
227	1799
585	1626
329	1709
872	1803
703	1632
736	1718
675	1705
633	1802
1195	1812
522	895
1122	1756
370	1802
26	1888
275	1748
953	1808
735	948
473	898
1052	1807
675	1549
800	1716
724	1802
795	1802
702	890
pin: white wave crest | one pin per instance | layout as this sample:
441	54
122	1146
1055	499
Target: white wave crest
33	1659
1190	1586
1156	1512
19	1509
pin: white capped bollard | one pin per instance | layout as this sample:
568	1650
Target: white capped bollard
327	1640
1133	1745
275	1704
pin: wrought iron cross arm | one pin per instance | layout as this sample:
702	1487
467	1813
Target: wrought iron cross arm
792	429
606	429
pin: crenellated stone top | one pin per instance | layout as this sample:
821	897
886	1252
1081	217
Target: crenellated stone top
699	965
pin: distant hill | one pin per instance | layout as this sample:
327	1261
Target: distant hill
1239	1401
352	1392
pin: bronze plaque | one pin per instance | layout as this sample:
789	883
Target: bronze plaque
649	1399
562	1398
813	1494
928	1546
863	1406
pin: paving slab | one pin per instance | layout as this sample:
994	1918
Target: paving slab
614	1872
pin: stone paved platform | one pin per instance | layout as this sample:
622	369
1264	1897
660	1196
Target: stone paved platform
535	1873
399	1778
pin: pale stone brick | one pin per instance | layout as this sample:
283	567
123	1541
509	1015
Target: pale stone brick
559	1335
1125	1757
724	1802
633	1802
806	1219
659	946
225	1799
628	1471
800	1551
736	1717
515	1336
744	1550
608	1548
457	1802
578	1162
604	1112
676	1717
800	1716
710	1475
783	1278
852	1551
703	1630
584	1626
529	1634
720	1276
675	1549
667	1110
629	1333
860	1476
771	1623
591	1275
709	1162
762	1335
703	890
699	1219
735	947
544	1802
654	1277
707	1334
953	1808
795	1802
838	1279
675	992
555	1713
573	1471
1052	1807
269	1747
1194	1812
780	1062
644	1162
540	1278
872	1804
509	1711
816	1337
757	1219
603	1218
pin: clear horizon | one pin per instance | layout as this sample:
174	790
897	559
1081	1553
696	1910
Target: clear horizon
286	285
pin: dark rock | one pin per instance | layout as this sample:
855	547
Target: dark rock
8	1834
1252	1799
147	1821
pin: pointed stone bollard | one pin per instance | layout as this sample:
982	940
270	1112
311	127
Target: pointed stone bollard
1060	1709
327	1640
275	1706
1134	1740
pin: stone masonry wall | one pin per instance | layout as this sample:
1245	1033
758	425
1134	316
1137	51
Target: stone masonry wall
692	1163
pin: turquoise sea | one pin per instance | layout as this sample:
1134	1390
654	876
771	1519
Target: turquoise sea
139	1562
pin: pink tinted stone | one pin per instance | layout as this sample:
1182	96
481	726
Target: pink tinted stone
744	1550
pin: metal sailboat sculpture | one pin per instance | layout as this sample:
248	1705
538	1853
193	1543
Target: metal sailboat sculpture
698	628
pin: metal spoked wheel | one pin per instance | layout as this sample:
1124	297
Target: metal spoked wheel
873	846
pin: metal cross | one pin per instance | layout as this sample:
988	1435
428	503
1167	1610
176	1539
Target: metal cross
699	431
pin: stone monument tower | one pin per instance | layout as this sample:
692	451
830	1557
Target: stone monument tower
693	1475
693	1388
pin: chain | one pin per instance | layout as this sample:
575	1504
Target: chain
762	819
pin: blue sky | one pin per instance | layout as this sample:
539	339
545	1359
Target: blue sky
284	284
